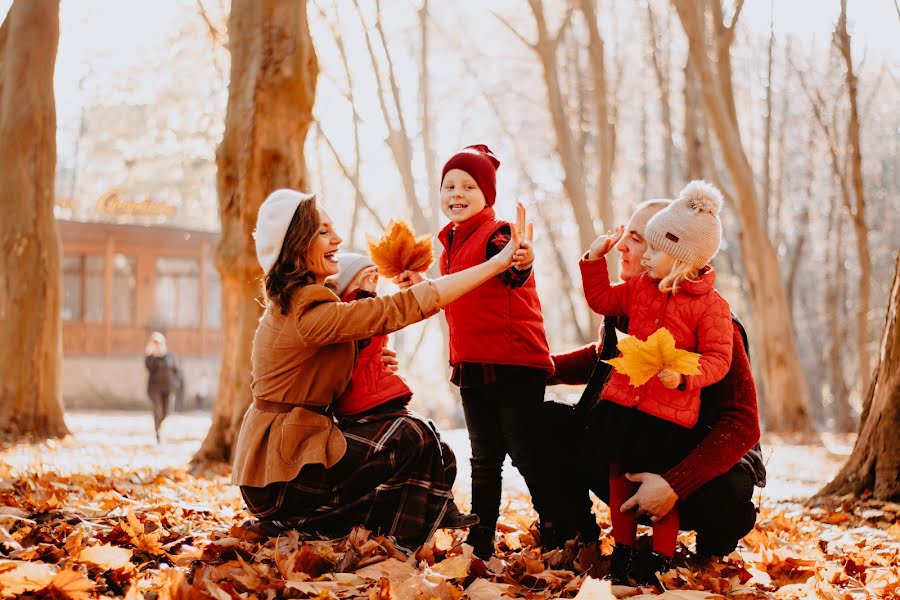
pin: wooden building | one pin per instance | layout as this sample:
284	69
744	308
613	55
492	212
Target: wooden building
121	283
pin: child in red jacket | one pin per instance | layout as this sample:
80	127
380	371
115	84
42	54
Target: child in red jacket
649	426
498	347
372	382
374	386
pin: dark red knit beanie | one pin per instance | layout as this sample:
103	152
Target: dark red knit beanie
479	162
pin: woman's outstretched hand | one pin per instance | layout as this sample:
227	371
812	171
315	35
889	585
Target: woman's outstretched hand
604	243
408	278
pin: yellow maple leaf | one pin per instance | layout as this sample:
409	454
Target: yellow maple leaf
642	360
400	250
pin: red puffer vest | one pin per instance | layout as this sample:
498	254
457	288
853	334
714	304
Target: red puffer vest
371	382
494	323
698	318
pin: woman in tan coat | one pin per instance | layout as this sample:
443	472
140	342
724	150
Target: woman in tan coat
297	467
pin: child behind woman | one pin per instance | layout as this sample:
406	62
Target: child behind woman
498	347
647	428
374	386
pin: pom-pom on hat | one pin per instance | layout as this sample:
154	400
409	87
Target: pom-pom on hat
349	264
478	161
689	228
272	222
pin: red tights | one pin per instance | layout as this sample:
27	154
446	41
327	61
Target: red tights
624	524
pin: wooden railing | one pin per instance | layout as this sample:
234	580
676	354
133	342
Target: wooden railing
96	339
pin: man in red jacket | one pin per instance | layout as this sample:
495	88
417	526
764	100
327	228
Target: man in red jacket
713	484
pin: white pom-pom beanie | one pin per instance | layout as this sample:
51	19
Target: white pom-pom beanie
272	222
689	228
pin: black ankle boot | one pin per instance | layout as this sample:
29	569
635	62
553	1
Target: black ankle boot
646	565
481	538
620	564
456	519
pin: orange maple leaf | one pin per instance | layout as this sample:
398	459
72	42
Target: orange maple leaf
400	250
642	360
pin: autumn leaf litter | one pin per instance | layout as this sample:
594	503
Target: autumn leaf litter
109	516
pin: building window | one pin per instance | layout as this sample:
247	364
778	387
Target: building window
178	292
83	288
124	288
213	296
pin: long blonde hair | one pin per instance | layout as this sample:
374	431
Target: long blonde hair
681	272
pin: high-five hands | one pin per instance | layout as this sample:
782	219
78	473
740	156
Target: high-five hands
518	253
605	243
524	255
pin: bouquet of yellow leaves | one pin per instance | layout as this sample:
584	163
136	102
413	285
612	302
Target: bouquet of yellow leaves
400	250
642	360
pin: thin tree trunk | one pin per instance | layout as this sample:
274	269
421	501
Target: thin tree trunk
693	137
857	212
874	464
606	127
269	112
661	70
767	128
783	381
30	338
835	291
575	176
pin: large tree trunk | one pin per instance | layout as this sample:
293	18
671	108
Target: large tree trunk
874	464
270	101
30	339
783	382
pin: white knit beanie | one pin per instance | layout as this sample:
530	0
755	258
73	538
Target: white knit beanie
349	264
689	228
272	222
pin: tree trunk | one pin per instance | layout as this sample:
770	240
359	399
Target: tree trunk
30	339
661	70
783	381
874	464
835	293
693	135
575	177
858	213
269	112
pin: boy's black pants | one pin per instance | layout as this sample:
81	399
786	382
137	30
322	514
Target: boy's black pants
502	419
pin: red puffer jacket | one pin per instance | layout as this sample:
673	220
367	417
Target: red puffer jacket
371	382
698	318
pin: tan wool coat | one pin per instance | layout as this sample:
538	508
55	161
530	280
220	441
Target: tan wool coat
305	358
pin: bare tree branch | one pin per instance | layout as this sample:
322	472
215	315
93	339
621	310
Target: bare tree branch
514	31
354	180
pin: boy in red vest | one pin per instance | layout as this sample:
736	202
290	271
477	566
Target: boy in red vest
374	387
498	347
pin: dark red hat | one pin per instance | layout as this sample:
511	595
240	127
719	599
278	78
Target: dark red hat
479	162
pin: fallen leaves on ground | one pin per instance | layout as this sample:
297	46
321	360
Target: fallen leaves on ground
167	534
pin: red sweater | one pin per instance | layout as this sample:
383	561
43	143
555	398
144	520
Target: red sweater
728	409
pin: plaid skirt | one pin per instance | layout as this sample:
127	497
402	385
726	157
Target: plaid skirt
396	478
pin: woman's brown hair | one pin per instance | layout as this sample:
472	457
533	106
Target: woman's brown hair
291	271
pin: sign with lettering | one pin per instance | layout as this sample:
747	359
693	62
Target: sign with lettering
115	203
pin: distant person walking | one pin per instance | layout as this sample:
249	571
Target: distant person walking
161	378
